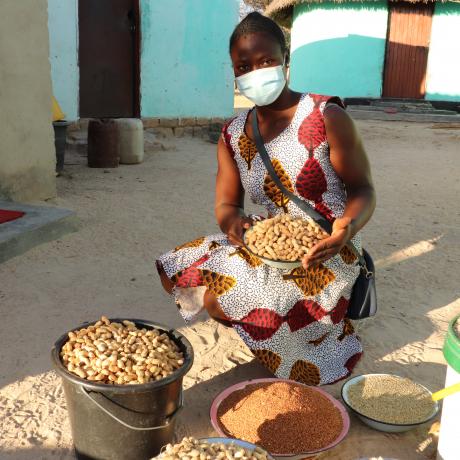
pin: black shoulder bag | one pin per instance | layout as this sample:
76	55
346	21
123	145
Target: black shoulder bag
363	300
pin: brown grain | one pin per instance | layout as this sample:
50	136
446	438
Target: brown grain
284	418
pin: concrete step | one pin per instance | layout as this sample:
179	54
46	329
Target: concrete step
403	103
406	109
362	114
39	225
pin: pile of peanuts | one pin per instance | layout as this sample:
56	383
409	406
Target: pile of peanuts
283	238
194	449
120	353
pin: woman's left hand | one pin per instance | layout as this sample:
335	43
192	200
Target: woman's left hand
329	247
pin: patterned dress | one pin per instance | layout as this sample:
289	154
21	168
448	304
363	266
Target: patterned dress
295	326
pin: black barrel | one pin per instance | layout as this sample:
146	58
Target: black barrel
123	422
103	143
60	137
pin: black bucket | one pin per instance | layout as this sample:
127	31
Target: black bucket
60	137
123	422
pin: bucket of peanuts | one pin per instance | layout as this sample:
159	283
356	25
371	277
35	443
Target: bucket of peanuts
122	381
282	241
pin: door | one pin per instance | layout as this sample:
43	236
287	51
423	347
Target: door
109	58
407	49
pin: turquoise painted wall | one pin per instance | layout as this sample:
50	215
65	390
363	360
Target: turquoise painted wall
185	65
443	74
339	48
63	34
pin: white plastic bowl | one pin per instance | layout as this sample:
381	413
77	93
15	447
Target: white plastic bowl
238	442
377	424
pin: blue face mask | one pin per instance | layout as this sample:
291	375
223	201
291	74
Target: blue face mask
262	86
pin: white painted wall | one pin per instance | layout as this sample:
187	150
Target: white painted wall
443	74
339	48
63	34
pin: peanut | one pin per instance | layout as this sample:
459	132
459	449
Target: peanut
115	353
194	449
283	238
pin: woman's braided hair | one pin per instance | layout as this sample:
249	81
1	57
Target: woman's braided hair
257	23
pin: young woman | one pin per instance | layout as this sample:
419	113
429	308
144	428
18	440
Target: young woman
296	327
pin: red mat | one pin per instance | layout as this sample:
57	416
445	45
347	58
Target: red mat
7	216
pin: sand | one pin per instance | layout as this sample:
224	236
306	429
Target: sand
131	214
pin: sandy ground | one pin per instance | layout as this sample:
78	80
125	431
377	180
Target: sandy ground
131	214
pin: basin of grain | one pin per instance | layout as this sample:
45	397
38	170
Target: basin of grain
389	402
284	417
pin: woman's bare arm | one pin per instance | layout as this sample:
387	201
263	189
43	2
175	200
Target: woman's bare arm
350	162
229	200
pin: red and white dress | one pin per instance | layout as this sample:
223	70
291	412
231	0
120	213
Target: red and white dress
295	326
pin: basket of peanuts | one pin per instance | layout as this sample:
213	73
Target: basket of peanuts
122	380
282	241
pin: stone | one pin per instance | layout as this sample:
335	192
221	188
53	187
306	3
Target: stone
151	143
187	121
205	134
179	131
169	122
200	121
165	133
149	137
188	131
198	131
151	122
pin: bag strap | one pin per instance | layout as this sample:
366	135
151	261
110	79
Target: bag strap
302	204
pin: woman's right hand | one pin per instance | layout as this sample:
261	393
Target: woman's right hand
236	229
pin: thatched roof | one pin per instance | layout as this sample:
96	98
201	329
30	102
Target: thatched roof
281	10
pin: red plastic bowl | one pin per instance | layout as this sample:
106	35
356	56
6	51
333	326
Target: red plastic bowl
239	386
